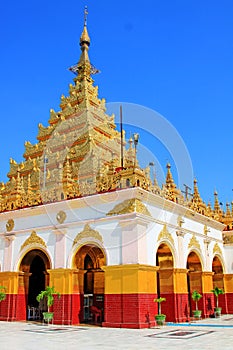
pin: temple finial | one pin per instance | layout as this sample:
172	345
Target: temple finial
85	16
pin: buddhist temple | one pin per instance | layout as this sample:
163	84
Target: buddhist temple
79	214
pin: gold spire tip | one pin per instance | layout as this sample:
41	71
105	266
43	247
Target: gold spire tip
85	16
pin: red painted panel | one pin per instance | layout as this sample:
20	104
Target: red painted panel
8	308
67	309
229	299
129	310
181	311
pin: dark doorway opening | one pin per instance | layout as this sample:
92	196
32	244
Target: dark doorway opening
36	280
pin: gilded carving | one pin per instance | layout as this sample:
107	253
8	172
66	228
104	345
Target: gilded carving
180	221
194	243
217	249
206	230
130	206
33	239
227	239
165	234
61	216
10	225
87	233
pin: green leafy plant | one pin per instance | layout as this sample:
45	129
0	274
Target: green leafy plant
2	293
159	301
196	297
217	291
160	318
48	294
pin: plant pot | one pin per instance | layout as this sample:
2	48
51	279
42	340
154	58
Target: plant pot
160	319
48	316
217	311
197	314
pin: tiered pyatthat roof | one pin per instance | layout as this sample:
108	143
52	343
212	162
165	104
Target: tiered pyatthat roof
80	153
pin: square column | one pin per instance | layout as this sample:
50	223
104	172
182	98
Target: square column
129	296
13	308
207	300
228	288
69	283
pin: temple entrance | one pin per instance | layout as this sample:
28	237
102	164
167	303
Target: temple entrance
165	280
218	273
194	278
90	259
34	265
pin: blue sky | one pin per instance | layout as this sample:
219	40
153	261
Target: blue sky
174	57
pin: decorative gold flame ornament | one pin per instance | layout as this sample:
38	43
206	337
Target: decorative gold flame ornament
61	216
10	225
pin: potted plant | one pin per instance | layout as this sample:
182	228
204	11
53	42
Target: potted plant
160	318
196	297
2	293
48	293
217	291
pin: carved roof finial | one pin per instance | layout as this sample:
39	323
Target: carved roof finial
85	16
85	39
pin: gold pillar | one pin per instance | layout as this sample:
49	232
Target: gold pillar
228	283
207	281
65	281
180	281
130	278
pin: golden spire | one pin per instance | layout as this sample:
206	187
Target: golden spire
84	43
228	212
216	202
196	194
169	178
84	36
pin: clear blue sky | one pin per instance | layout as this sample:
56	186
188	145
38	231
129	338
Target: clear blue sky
175	57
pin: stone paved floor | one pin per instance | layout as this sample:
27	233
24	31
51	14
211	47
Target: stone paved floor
204	334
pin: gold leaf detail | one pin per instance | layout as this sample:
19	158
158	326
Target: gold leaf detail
10	225
33	239
194	243
227	239
130	206
165	234
88	232
61	216
217	249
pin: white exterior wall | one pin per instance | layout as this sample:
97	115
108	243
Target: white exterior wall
129	238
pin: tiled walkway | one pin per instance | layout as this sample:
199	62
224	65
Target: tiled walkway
205	334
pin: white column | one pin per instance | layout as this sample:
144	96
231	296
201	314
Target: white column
134	241
8	252
60	248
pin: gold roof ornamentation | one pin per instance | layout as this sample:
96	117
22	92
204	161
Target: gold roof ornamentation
87	233
227	238
33	239
130	206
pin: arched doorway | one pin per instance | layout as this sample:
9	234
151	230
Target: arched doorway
194	278
218	273
165	280
218	281
34	265
89	259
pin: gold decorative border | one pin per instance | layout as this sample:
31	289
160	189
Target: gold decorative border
130	206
